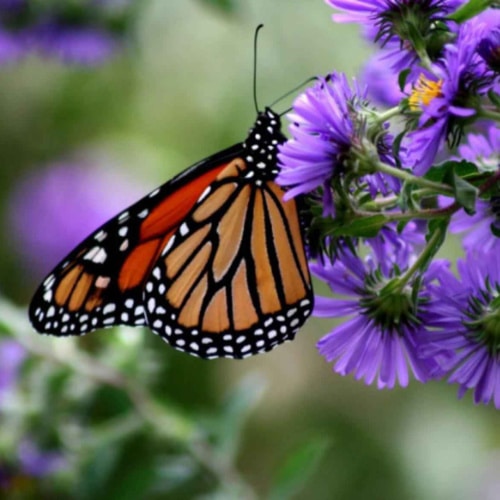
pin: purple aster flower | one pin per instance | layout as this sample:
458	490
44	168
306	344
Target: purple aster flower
387	317
12	355
478	226
54	208
489	48
382	84
467	330
446	100
399	25
484	151
391	246
487	24
328	125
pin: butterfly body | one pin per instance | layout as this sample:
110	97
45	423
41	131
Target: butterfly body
213	261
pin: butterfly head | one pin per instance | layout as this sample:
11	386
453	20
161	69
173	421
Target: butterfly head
261	145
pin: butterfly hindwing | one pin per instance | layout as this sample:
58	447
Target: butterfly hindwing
100	283
233	280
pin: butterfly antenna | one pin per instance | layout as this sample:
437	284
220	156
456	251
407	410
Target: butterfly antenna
255	66
290	92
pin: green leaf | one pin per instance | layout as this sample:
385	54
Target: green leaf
396	147
465	194
444	171
495	230
298	469
224	5
403	75
363	227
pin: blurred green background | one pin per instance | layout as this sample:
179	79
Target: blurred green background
280	425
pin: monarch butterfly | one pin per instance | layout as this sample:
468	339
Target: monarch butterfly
213	260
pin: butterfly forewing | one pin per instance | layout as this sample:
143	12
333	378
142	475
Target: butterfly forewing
100	283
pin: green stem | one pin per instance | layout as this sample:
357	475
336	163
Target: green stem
425	256
429	214
387	115
489	114
379	203
413	179
425	60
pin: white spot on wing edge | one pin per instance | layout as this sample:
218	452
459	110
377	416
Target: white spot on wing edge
100	236
109	308
49	281
96	254
123	216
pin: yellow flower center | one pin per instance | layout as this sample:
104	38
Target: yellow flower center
424	92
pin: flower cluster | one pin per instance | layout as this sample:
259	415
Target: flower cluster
389	199
86	32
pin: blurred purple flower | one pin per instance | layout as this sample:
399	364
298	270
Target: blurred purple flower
54	208
12	5
12	355
86	45
37	463
18	474
13	45
386	318
467	331
50	31
14	41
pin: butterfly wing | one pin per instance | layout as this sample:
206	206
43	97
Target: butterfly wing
100	283
233	280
